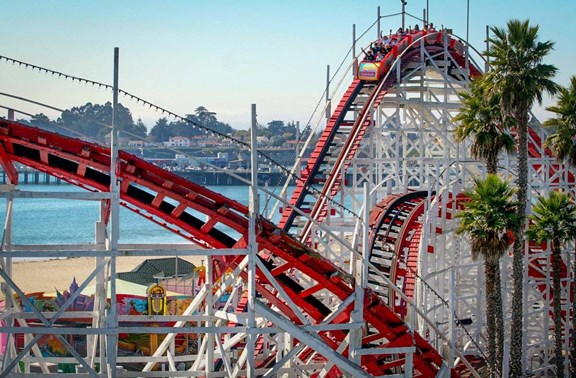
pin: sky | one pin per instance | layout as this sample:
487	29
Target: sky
226	55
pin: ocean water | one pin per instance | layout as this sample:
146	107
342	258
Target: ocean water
55	221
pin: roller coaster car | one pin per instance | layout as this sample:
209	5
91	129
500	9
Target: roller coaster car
373	70
370	70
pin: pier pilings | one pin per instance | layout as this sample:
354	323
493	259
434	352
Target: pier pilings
31	177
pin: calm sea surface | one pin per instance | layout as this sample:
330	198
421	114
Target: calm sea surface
54	221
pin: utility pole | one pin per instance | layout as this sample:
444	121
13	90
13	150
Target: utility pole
379	31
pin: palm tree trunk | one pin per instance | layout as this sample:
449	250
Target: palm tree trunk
557	300
490	318
516	332
492	168
499	319
573	334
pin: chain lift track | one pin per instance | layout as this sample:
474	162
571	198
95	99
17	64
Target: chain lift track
348	124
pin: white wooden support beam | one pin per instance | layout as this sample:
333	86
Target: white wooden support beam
313	341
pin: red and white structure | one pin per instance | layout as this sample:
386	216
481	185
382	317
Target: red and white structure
362	277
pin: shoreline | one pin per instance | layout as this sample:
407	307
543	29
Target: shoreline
34	276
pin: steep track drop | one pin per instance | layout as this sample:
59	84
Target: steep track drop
177	204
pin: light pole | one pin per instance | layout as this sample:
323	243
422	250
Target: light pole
404	2
467	20
467	38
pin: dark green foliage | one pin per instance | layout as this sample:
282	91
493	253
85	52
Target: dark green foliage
563	140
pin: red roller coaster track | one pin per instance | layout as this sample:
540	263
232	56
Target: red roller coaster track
176	204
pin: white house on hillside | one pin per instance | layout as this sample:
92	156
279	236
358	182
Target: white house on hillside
178	141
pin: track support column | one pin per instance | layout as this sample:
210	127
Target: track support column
252	249
361	281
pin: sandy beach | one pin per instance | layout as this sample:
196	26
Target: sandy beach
48	275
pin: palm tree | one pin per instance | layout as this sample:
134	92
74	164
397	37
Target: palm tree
480	118
519	76
561	142
486	218
554	220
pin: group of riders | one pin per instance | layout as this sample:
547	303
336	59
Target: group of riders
384	44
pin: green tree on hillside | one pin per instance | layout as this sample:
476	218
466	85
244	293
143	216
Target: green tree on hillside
95	120
140	129
276	127
184	128
42	121
208	119
160	132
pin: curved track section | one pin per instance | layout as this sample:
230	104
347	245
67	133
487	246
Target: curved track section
180	206
394	243
341	138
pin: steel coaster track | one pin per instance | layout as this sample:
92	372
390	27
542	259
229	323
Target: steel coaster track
344	130
180	205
